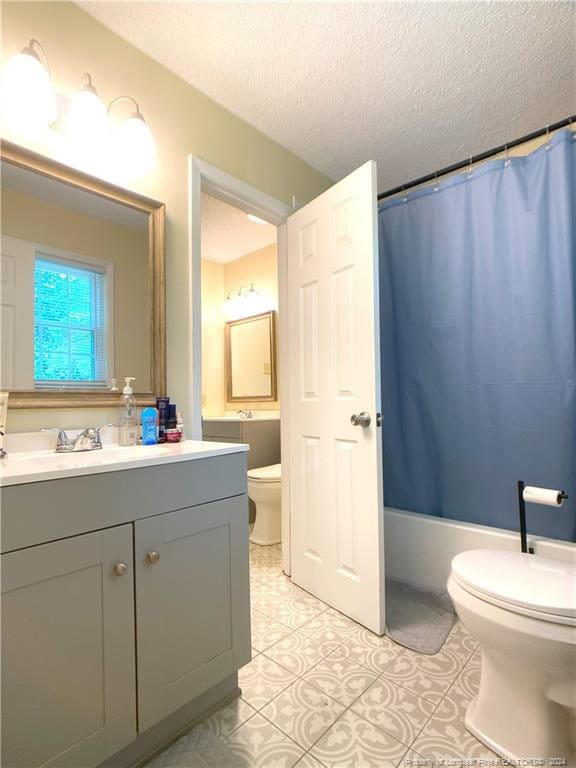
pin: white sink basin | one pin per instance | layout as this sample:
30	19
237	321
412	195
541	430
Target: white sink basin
34	466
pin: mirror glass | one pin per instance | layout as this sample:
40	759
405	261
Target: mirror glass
75	295
251	358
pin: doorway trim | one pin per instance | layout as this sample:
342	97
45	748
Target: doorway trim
205	177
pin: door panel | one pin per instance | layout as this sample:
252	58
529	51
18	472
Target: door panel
192	604
68	659
335	468
16	313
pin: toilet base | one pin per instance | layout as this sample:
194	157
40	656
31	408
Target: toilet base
514	717
525	706
268	526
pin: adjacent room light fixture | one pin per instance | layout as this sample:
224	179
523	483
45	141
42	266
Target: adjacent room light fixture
28	95
256	219
245	302
133	140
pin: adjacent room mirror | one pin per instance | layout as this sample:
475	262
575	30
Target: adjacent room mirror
251	358
82	286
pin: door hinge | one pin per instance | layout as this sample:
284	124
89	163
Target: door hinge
378	419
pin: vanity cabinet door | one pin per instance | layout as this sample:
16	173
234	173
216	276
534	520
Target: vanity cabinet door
192	603
68	660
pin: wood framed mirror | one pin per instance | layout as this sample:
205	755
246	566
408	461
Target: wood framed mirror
251	358
82	290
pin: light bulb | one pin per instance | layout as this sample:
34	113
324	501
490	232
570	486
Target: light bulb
28	96
86	119
87	125
134	146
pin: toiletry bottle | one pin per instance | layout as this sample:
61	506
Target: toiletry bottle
149	426
128	421
172	432
180	424
162	404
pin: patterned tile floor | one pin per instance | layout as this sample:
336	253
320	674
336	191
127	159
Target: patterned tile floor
323	691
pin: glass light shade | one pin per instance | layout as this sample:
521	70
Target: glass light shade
246	304
134	146
28	96
230	308
87	122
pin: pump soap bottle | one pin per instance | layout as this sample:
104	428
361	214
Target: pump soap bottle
128	426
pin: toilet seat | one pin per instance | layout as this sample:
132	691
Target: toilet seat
527	584
270	474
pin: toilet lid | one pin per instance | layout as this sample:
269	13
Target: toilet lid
271	474
523	581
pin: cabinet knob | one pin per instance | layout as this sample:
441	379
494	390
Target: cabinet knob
120	569
153	557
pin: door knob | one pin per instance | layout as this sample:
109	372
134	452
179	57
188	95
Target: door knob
153	557
360	419
120	569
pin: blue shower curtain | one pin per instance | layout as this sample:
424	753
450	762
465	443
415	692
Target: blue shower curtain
478	328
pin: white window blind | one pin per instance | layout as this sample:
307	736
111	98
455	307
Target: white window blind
70	334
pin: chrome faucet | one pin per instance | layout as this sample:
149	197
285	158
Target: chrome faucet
244	413
88	439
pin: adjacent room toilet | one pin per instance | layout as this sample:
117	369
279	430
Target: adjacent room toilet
265	489
522	611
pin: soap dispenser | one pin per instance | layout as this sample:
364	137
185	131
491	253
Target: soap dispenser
128	426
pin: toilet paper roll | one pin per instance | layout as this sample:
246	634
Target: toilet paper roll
547	496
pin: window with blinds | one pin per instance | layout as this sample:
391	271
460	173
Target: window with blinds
70	334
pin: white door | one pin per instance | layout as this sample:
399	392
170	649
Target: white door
16	313
336	506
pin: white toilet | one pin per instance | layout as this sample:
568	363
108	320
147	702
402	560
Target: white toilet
522	611
265	489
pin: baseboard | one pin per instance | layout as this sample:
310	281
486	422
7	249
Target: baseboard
160	736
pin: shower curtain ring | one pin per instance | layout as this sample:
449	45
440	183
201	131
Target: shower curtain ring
506	156
404	195
436	185
470	168
548	137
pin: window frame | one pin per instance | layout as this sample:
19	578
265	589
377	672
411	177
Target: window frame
92	264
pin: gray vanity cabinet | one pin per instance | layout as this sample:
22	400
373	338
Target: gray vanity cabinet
135	607
192	601
68	659
262	435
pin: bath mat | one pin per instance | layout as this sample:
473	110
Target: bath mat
419	619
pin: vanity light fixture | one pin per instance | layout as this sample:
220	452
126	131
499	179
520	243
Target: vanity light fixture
86	122
29	103
244	302
28	95
132	140
256	219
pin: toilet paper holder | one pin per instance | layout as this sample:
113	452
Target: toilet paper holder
549	497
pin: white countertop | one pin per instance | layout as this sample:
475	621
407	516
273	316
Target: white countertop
248	419
34	466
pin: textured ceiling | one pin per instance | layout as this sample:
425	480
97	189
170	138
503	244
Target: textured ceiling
228	234
413	85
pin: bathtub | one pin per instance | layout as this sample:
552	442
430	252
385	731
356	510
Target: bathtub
419	548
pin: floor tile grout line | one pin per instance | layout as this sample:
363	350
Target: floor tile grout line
278	727
348	707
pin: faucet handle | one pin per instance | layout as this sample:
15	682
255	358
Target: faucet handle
96	437
62	441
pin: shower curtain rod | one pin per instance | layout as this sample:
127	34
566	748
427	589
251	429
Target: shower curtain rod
477	158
